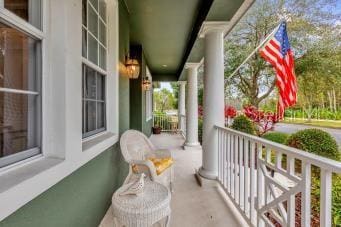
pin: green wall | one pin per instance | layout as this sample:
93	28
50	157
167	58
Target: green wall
123	79
138	95
80	199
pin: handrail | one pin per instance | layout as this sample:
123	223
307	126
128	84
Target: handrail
313	159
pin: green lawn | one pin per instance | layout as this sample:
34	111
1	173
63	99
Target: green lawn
320	123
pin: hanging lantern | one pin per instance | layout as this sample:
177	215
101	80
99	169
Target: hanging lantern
132	68
146	84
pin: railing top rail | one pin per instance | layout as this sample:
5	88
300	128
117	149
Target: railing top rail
322	162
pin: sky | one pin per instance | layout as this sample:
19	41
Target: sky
166	85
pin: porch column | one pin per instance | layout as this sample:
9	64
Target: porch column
181	103
192	105
213	33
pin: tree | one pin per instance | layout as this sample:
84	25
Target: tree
309	22
163	100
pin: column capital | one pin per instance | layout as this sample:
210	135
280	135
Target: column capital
208	26
192	65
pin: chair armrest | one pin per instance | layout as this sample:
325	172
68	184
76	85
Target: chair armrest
149	164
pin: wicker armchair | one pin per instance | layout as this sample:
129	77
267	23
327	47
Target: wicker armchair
136	148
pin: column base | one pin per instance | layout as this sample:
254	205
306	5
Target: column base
191	146
210	175
204	182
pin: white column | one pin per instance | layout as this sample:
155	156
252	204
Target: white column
181	103
213	33
192	105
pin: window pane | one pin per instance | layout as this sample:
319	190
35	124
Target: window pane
93	21
102	9
29	10
102	57
90	83
92	49
17	59
90	116
102	33
84	42
18	121
94	3
100	87
84	10
100	115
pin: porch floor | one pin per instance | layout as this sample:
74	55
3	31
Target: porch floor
191	204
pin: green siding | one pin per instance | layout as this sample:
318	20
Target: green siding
80	199
138	96
123	80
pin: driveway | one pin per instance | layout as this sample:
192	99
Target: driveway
292	128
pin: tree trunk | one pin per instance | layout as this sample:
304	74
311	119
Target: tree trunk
334	100
330	100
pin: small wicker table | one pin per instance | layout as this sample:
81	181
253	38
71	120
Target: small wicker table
144	210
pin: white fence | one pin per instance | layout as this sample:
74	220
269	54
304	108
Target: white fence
168	123
265	180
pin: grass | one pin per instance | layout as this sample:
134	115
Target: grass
319	123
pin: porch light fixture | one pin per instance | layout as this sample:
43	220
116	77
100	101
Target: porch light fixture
146	84
132	68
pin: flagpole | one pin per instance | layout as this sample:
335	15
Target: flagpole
255	50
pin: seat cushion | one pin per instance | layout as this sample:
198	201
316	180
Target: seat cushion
161	164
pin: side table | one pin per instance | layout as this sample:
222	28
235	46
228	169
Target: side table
144	210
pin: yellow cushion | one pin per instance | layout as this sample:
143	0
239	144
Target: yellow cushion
161	164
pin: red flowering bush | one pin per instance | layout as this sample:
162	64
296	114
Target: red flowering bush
265	121
200	111
230	111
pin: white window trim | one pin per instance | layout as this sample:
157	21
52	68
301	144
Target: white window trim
62	143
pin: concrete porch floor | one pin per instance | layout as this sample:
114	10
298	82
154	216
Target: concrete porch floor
191	204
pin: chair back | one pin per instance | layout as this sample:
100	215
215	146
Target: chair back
135	145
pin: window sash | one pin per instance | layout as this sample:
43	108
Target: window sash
9	18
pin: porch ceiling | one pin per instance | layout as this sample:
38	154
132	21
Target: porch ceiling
168	29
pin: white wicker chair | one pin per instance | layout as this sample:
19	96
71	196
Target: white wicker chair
136	148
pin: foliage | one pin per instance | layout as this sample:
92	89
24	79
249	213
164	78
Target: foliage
315	141
175	87
278	137
313	33
200	111
336	198
265	121
243	124
164	100
230	111
200	124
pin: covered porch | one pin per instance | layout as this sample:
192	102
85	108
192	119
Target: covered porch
191	204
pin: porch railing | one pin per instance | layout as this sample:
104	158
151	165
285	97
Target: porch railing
265	180
168	123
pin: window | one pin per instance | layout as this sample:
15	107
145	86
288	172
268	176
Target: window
149	98
20	79
93	102
94	52
28	10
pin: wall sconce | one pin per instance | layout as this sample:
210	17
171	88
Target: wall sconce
146	84
132	68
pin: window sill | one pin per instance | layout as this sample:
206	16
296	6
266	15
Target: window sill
101	141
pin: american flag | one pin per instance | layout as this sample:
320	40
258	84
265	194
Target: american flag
277	52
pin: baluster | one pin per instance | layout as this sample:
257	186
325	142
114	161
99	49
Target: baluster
267	189
325	198
260	184
241	172
219	155
232	179
236	178
252	183
246	176
305	199
224	161
229	141
291	200
279	160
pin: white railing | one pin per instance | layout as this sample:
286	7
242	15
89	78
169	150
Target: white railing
168	123
265	180
182	125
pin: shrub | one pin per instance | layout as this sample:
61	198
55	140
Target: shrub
200	124
243	124
315	141
278	137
